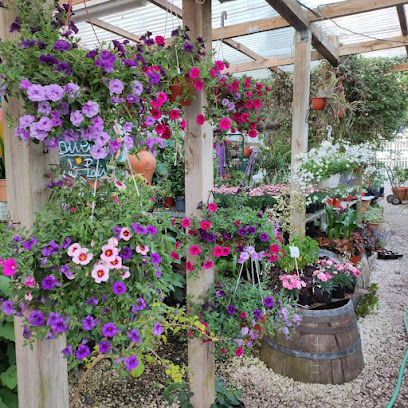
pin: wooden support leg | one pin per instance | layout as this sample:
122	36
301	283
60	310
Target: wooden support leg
199	183
301	89
42	372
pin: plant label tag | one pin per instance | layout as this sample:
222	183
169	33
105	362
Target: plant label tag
294	252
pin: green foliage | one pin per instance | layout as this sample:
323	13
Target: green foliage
309	253
373	214
179	392
400	175
340	224
370	302
227	397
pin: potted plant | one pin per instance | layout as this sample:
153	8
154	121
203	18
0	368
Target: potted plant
176	179
326	88
400	178
373	216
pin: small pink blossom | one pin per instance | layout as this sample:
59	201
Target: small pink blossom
125	234
73	249
109	252
82	257
29	281
142	249
119	185
208	264
195	250
100	272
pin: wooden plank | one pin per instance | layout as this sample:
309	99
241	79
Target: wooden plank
400	67
402	17
297	17
340	9
115	29
169	7
349	49
42	373
300	108
199	183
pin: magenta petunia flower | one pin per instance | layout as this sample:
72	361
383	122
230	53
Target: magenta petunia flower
9	267
195	250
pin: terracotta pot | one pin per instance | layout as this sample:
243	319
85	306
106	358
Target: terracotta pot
340	114
318	103
355	259
247	151
169	202
143	163
365	203
176	89
401	192
3	190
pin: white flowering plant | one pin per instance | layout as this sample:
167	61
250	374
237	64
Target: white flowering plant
329	159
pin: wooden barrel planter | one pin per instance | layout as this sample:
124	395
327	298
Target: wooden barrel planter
325	349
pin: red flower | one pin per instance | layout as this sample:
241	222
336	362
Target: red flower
237	222
178	244
239	351
243	315
208	264
160	128
174	114
159	40
200	119
175	255
225	251
245	117
183	124
190	267
249	104
217	251
155	113
195	250
219	65
167	133
253	133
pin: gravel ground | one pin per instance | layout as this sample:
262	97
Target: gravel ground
383	338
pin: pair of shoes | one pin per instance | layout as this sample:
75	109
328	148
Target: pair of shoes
388	255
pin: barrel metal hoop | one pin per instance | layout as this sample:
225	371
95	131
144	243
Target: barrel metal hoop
312	356
327	330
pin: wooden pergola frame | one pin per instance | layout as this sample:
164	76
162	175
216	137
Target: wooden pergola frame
42	373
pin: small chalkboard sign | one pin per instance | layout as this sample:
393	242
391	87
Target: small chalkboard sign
76	160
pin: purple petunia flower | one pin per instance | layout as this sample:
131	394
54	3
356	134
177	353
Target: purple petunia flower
90	109
188	47
126	253
48	283
139	229
59	326
61	45
82	352
88	323
154	77
109	330
116	86
92	54
155	258
7	307
119	288
44	124
71	89
92	301
52	318
64	67
239	249
67	272
51	249
128	142
152	230
49	60
16	25
98	152
104	346
242	232
157	329
134	335
131	362
36	318
257	314
17	238
26	120
141	304
36	93
227	236
268	302
263	236
67	242
251	230
231	309
67	351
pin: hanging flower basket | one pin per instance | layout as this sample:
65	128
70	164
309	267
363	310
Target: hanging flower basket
183	89
331	182
143	163
318	103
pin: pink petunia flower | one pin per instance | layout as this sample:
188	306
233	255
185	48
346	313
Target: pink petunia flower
125	234
200	119
100	272
208	264
9	267
82	257
185	222
194	73
205	225
212	207
73	249
109	252
195	250
142	249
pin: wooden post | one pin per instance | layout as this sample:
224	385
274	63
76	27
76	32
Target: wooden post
42	372
199	183
301	89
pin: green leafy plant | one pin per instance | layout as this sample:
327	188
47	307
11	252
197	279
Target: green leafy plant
226	397
340	224
373	214
370	302
400	175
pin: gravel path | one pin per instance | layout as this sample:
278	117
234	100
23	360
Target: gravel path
383	338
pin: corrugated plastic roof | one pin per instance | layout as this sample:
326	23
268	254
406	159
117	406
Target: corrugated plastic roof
379	24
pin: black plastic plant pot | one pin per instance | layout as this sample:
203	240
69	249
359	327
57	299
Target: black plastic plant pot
339	292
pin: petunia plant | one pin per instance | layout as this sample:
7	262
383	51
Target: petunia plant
97	267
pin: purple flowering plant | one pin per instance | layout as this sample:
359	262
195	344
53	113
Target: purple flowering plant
89	95
111	261
242	313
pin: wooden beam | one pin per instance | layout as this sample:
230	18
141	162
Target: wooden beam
115	30
349	49
402	17
42	372
297	17
198	142
300	108
169	7
340	9
401	67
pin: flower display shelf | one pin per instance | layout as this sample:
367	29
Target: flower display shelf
316	216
